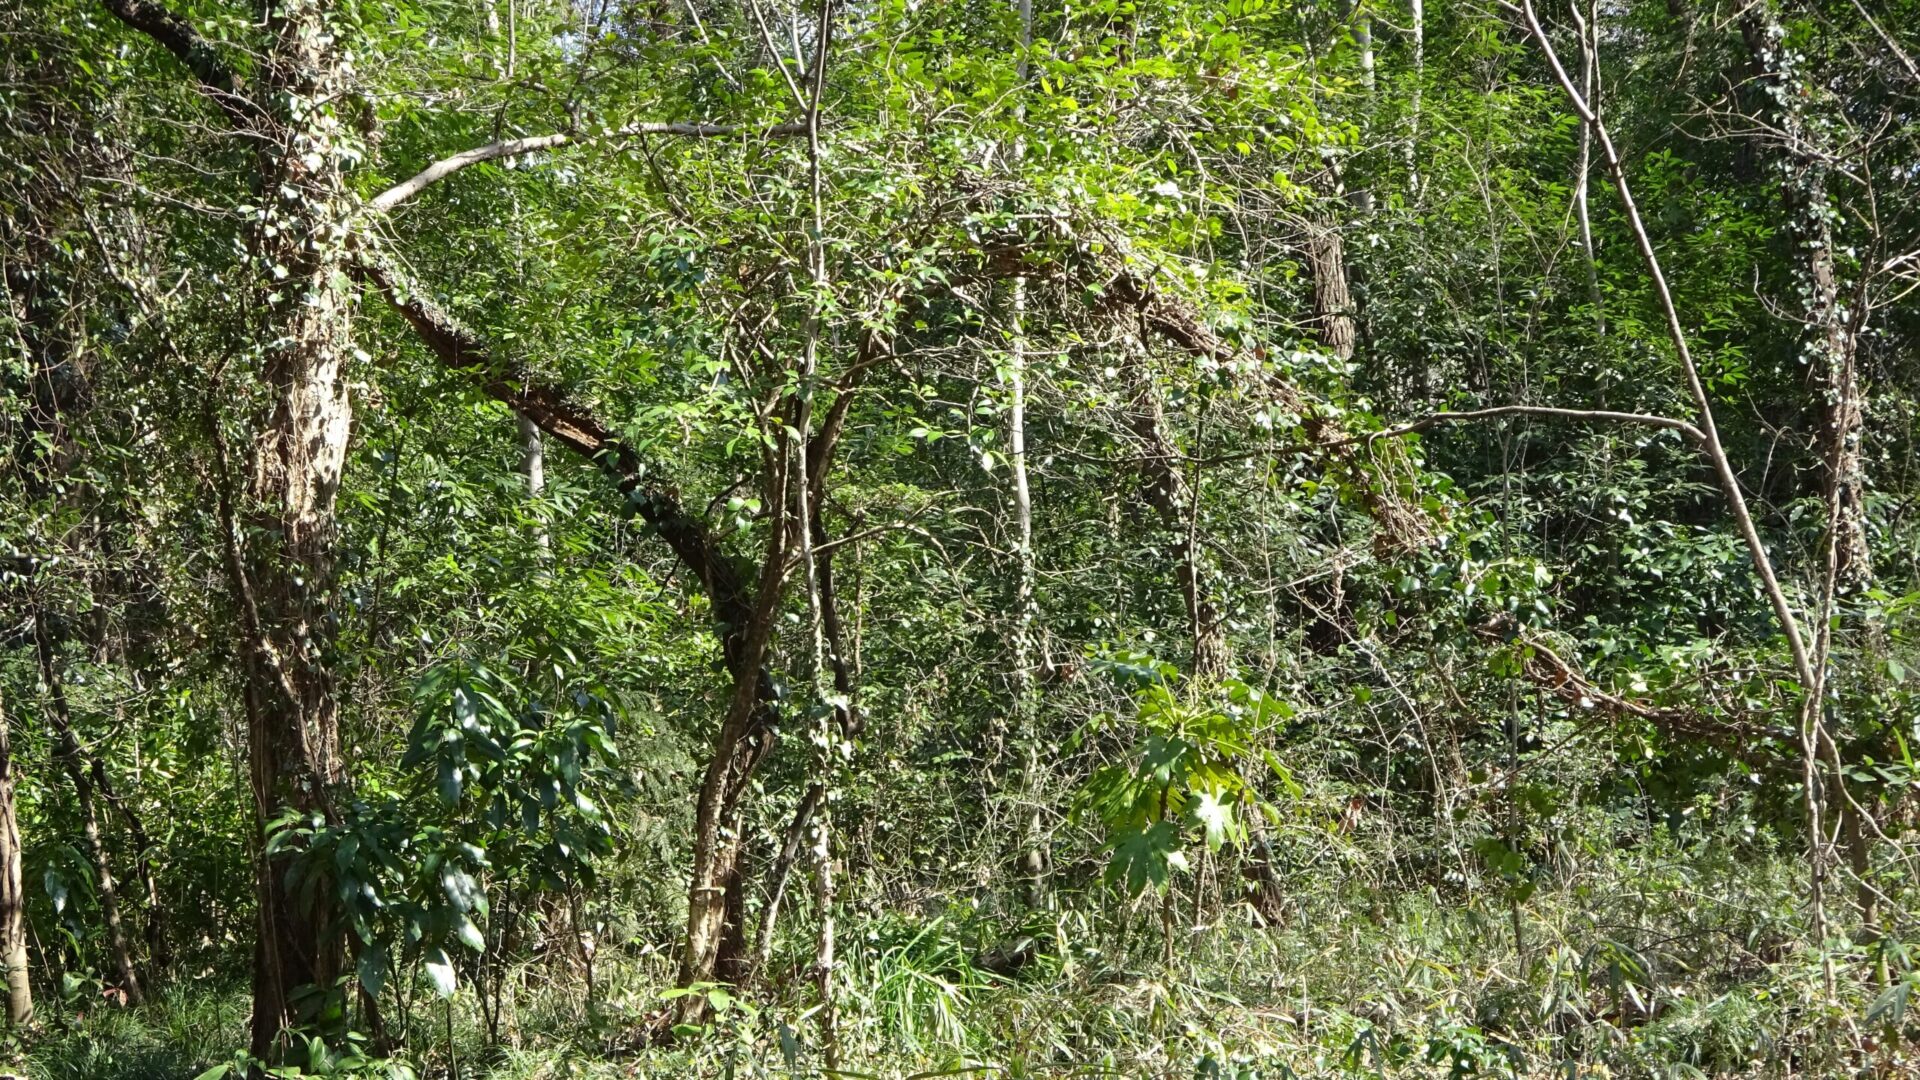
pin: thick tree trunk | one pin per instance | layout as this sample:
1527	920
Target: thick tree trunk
285	584
13	911
74	759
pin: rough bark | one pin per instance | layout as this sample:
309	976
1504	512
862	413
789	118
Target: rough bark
13	916
296	460
282	584
1832	328
1332	302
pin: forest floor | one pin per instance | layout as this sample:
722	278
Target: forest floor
1692	966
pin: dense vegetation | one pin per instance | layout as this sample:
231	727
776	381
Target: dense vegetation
1222	538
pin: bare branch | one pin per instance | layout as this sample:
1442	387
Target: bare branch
493	151
1693	434
1710	435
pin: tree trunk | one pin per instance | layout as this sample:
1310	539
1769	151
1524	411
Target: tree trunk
13	914
533	465
1332	303
157	934
284	586
848	716
1417	44
742	741
781	874
1168	492
1832	332
73	759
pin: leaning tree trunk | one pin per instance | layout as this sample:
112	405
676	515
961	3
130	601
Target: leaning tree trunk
13	912
284	584
73	759
737	750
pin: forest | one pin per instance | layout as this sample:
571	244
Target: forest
1214	539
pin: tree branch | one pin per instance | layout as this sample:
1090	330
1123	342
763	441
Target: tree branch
574	426
447	166
1693	434
218	80
1710	435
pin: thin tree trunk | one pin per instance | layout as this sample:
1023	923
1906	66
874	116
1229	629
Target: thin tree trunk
848	715
158	936
533	466
791	844
1034	859
74	759
1589	75
1168	493
1813	733
1417	37
1361	25
823	954
1833	330
13	913
807	512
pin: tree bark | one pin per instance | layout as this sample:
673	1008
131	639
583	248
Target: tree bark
285	582
157	935
1332	302
1832	334
13	912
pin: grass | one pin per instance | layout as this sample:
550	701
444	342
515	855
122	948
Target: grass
1664	961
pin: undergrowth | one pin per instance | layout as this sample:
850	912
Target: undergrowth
1668	961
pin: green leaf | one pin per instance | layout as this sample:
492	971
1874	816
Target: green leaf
450	781
470	936
373	970
1146	857
439	971
1215	818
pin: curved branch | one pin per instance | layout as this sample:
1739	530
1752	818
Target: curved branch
218	80
447	166
574	426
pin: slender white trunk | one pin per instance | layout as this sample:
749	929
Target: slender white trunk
13	923
533	466
1418	36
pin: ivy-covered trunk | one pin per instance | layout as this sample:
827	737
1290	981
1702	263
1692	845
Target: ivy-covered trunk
284	582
